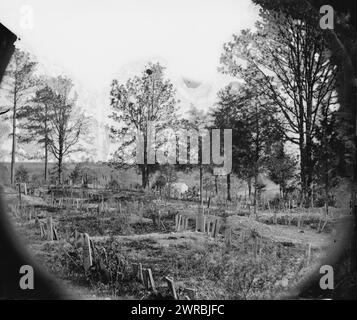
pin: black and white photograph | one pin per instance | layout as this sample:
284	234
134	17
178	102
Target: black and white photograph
178	150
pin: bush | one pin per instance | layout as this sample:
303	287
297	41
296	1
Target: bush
21	175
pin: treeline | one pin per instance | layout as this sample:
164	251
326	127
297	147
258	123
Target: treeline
43	111
284	109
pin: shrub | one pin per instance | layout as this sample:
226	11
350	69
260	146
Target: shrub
21	175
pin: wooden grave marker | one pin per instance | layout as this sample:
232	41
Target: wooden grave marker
49	228
171	285
87	252
150	279
186	223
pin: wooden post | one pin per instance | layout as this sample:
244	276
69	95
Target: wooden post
179	223
87	253
217	227
151	280
176	221
141	275
182	223
145	279
42	231
171	285
186	223
49	229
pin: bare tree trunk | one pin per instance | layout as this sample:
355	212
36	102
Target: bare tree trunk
147	184
46	145
143	176
228	187
60	169
303	172
46	162
255	192
201	183
13	151
216	184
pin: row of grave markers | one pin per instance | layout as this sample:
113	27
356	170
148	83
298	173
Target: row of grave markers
209	225
144	275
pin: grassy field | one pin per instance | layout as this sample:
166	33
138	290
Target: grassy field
261	256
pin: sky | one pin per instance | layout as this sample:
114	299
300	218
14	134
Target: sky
91	40
95	41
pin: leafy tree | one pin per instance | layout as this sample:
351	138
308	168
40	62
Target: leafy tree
168	176
67	124
36	117
287	61
144	102
198	120
19	83
228	113
84	174
327	154
255	128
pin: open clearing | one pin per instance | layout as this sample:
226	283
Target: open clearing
142	247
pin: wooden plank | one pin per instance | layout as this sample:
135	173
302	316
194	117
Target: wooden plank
141	275
87	253
176	221
145	279
49	229
151	280
171	285
186	223
179	223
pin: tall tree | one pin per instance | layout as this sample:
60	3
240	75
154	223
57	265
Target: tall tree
144	103
287	61
198	120
255	128
67	123
36	116
227	114
327	153
19	82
